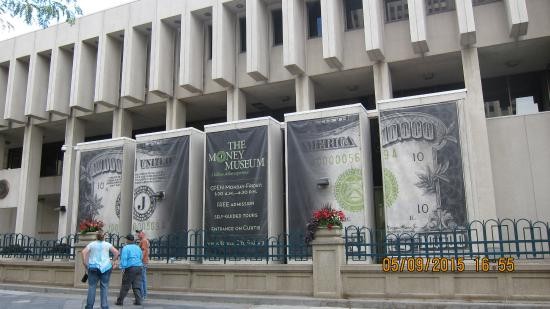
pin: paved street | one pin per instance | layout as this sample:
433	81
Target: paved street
23	300
44	297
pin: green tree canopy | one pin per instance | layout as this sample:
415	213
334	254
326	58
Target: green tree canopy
39	12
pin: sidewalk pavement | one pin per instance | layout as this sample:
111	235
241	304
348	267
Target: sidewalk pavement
74	298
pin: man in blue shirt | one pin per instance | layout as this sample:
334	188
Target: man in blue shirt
130	263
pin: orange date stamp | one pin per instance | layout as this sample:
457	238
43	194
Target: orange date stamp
444	264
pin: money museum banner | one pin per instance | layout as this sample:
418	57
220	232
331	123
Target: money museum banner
422	170
236	198
161	181
99	187
324	166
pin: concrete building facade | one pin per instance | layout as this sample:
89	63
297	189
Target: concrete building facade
155	65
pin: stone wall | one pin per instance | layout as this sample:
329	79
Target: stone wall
528	282
37	272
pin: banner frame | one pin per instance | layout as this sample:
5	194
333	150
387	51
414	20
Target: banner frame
195	169
275	225
459	96
127	181
366	162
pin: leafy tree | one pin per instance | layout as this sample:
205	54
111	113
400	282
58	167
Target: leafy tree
39	12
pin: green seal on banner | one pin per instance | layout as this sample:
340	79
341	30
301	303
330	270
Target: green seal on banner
349	190
391	188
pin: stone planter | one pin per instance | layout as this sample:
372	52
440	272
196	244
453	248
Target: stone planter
323	232
88	237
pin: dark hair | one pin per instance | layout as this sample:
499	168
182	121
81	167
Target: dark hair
100	236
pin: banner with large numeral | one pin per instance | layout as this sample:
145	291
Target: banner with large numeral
99	187
161	181
422	169
324	166
236	179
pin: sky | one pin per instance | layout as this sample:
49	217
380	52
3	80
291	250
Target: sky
88	7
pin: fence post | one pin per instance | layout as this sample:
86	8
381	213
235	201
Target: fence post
328	258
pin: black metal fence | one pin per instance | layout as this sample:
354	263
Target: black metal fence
492	239
26	247
197	245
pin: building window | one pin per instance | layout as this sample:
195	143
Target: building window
242	32
209	34
354	14
15	155
516	94
277	16
396	10
439	6
52	160
480	2
314	19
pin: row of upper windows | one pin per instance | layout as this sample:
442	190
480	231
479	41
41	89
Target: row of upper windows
395	10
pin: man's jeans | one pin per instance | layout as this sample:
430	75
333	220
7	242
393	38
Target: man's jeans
94	275
130	278
144	281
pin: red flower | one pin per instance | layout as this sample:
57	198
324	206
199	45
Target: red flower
92	225
328	217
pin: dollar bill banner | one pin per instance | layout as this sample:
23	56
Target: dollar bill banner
324	167
99	187
161	181
422	171
235	210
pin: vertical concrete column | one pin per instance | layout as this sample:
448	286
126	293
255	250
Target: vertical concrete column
134	66
483	192
518	21
83	76
373	17
74	134
332	21
59	90
163	44
236	104
191	53
305	93
4	76
294	36
37	87
108	71
176	114
30	178
122	123
257	40
466	22
223	44
328	258
16	93
382	81
417	25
